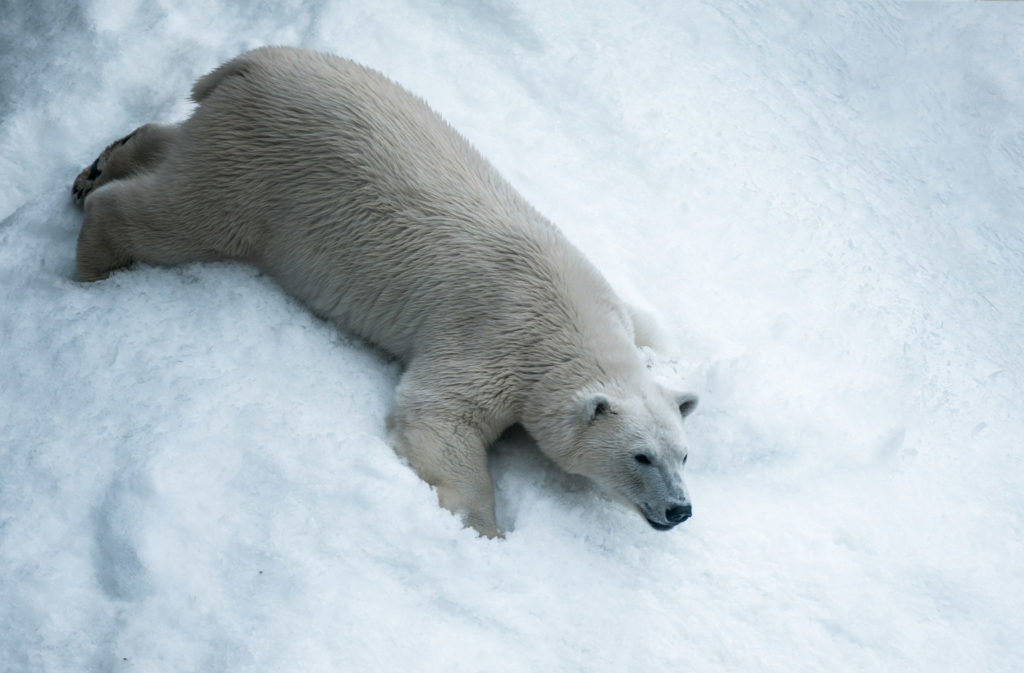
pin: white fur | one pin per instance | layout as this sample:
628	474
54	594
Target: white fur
363	203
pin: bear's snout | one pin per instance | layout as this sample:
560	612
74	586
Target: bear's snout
669	518
678	514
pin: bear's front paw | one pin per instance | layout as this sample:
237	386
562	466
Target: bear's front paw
483	525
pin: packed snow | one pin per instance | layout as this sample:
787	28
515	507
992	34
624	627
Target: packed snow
823	202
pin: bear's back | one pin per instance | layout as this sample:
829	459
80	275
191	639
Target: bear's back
369	207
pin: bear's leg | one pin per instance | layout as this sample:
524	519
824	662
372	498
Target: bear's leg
138	151
133	220
102	247
446	448
647	332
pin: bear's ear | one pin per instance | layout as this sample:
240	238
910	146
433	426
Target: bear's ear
595	405
686	402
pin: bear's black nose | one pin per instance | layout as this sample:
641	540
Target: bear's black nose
679	513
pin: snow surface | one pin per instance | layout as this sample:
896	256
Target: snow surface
823	202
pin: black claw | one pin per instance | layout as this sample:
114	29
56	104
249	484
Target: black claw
94	171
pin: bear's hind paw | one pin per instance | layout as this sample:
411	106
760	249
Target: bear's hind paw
92	175
85	181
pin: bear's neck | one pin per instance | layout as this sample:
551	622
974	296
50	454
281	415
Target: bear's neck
573	363
586	345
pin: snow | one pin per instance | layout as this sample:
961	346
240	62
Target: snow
823	203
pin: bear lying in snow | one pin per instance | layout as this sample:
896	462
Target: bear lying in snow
365	205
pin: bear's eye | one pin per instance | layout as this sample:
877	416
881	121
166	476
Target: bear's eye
642	458
684	459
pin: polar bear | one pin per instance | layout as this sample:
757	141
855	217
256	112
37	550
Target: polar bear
368	207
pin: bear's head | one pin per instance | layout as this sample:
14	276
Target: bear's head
629	440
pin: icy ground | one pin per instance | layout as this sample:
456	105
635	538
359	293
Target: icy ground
823	201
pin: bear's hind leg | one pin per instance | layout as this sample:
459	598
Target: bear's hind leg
134	220
102	246
138	151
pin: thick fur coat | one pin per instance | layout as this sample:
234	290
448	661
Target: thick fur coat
365	205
